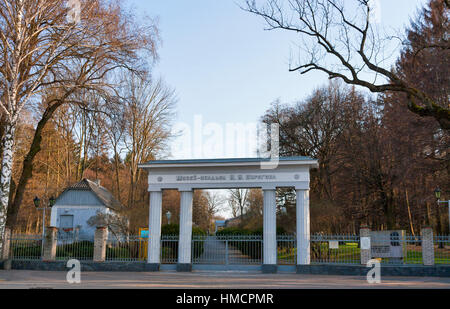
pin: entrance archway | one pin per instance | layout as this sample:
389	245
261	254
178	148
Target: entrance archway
188	175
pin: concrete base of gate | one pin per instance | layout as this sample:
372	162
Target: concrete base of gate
442	271
184	268
152	267
342	270
269	269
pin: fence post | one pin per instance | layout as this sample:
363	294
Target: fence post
100	238
427	246
366	254
6	244
50	241
226	252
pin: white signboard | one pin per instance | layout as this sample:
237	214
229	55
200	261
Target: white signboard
388	244
228	178
365	243
333	244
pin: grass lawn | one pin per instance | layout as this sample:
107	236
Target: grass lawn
349	253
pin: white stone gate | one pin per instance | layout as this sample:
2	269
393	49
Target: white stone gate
188	175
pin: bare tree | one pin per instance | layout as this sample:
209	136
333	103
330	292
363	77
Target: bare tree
115	131
118	225
238	201
340	38
149	109
43	52
216	202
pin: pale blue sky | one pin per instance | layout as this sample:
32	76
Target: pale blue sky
225	67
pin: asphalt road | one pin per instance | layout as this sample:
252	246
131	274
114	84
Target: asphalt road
16	279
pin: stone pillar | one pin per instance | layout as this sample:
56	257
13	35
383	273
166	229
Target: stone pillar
427	246
365	246
6	245
100	239
154	240
50	242
270	232
303	228
185	239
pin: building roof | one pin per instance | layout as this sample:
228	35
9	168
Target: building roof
105	197
229	161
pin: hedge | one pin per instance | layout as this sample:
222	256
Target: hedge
81	249
26	251
171	247
251	248
235	231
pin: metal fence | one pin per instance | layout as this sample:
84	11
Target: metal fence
227	250
25	247
169	249
126	248
232	250
442	250
335	249
286	250
244	250
209	250
72	246
412	249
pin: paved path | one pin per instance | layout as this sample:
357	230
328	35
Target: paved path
215	253
218	280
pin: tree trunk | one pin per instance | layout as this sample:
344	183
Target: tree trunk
428	216
80	152
439	228
409	214
388	207
5	176
2	131
116	163
27	166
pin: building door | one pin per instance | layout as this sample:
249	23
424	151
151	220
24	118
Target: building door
66	225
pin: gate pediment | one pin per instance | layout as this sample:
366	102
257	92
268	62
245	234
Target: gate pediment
228	173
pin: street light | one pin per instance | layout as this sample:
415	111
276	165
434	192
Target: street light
37	202
437	193
168	215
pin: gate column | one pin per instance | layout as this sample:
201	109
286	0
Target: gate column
154	240
270	231
303	228
184	245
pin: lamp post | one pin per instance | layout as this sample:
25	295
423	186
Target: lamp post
168	215
437	193
37	203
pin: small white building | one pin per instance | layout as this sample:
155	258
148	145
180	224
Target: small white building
79	203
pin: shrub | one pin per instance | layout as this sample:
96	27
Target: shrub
24	250
260	231
171	247
170	229
250	248
118	253
235	231
81	249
